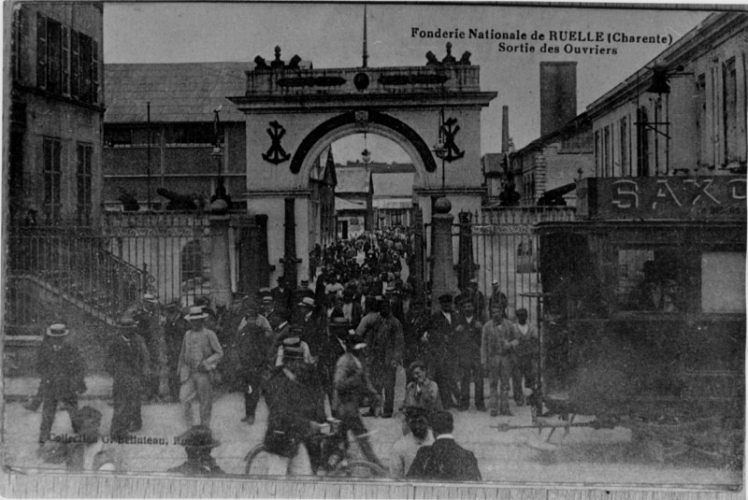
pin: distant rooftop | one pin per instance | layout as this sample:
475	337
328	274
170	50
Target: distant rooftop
352	180
183	92
382	168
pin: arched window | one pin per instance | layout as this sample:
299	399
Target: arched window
192	261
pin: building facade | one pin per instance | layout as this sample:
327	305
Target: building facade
57	107
161	131
684	113
546	170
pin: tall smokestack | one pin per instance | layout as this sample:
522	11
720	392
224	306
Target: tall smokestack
558	94
504	129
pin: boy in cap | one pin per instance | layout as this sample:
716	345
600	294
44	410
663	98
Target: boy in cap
200	354
62	372
198	443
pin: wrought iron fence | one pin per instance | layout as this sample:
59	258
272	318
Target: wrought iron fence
103	270
68	263
500	245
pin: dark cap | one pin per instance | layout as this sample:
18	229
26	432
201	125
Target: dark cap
442	422
445	298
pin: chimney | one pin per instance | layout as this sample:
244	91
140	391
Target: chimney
504	129
558	94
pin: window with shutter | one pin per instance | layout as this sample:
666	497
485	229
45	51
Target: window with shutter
41	51
65	63
52	176
95	71
85	67
83	177
75	70
54	56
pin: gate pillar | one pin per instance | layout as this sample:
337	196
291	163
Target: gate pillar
290	260
444	280
418	268
220	267
465	263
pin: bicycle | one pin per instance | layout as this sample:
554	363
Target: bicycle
335	460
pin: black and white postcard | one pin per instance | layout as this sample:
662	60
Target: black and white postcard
405	245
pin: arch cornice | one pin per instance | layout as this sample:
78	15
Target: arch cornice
375	122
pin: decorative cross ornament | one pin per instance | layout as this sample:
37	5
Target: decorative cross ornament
276	154
449	131
362	119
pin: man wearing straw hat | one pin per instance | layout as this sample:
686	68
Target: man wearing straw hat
62	371
200	354
294	410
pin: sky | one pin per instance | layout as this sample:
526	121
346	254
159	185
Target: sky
330	36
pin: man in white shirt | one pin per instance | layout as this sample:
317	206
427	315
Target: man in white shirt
525	356
404	450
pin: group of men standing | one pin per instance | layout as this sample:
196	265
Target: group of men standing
461	347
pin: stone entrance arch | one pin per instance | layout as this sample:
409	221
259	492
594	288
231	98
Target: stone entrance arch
370	122
293	113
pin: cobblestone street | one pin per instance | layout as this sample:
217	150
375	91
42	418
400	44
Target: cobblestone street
584	456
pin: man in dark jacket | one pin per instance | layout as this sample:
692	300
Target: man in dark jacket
440	351
62	372
149	326
352	384
416	323
444	459
468	338
386	354
294	413
127	362
283	297
174	327
254	345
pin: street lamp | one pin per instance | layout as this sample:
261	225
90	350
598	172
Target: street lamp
441	151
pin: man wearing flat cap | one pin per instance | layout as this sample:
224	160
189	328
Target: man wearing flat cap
127	362
198	442
62	372
497	297
439	337
200	354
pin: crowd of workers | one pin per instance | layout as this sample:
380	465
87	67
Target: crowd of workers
341	341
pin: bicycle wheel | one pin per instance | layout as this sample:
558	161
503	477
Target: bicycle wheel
257	461
359	469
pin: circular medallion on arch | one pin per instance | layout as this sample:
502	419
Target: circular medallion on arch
361	81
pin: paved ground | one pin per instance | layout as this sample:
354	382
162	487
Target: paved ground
585	456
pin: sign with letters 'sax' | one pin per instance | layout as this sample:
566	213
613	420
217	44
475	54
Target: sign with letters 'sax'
678	197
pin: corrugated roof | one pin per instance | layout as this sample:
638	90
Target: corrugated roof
341	204
391	185
352	180
183	92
